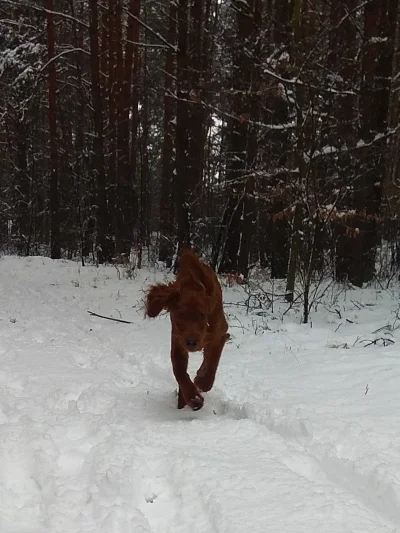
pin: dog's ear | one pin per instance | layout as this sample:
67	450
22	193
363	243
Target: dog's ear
161	297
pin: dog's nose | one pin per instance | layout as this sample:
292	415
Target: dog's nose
191	343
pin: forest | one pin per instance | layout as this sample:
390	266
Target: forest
265	136
257	132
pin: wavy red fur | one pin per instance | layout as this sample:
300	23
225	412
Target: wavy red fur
194	302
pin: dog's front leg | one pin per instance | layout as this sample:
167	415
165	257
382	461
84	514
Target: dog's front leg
188	392
205	376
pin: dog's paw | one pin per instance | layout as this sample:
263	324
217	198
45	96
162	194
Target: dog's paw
190	396
197	402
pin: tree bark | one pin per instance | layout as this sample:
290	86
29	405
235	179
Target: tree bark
241	140
376	72
182	128
196	111
54	202
126	196
168	160
144	219
121	95
102	244
22	192
298	155
274	229
249	207
343	49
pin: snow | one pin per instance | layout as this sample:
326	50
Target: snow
378	39
19	57
299	434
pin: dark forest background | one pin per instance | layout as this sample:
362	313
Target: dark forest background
257	132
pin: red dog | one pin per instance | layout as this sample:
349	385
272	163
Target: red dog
194	302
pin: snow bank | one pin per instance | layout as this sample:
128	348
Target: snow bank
299	434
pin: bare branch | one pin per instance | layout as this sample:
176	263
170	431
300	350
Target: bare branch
109	318
63	53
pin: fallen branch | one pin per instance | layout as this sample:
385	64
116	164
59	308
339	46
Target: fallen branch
110	318
388	327
384	340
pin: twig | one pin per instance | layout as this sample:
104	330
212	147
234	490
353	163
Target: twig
357	339
382	328
109	318
335	311
356	304
118	271
385	342
291	305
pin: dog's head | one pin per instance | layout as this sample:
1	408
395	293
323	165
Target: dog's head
189	307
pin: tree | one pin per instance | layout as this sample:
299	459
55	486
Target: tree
376	73
242	138
102	244
182	128
167	203
238	128
54	178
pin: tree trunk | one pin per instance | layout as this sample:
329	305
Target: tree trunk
237	182
144	226
249	210
126	196
23	218
54	202
298	155
124	211
274	228
79	168
343	50
102	244
295	249
182	128
376	71
111	125
166	251
196	110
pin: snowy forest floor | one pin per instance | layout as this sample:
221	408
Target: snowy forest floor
300	433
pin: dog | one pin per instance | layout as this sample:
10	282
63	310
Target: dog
194	302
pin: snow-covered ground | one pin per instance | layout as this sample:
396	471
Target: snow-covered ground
301	432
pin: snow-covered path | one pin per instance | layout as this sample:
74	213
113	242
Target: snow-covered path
300	433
